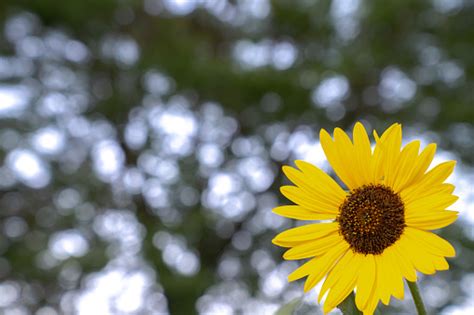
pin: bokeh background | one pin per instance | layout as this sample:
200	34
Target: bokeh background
141	142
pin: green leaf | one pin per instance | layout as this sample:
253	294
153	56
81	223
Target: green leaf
289	308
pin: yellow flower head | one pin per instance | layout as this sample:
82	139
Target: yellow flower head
380	228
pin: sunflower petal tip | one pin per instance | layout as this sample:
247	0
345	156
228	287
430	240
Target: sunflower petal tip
359	127
450	162
376	135
339	130
287	190
320	296
323	134
300	162
275	241
286	169
327	309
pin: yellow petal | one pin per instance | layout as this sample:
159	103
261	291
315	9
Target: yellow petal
336	273
327	262
414	193
420	258
430	242
318	267
338	155
341	290
363	154
313	188
406	267
433	178
390	148
420	165
308	201
295	236
441	264
322	180
376	170
431	220
366	281
395	274
430	203
405	166
351	161
372	304
300	213
313	248
440	173
384	280
345	284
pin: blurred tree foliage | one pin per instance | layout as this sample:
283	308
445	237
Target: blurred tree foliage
196	50
406	61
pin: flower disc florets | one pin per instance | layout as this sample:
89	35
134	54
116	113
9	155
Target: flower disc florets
371	219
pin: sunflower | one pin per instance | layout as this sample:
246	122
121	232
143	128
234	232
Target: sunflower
377	232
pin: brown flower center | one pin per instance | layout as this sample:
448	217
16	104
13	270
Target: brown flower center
371	219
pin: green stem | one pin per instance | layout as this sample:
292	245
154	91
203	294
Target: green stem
415	292
348	306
